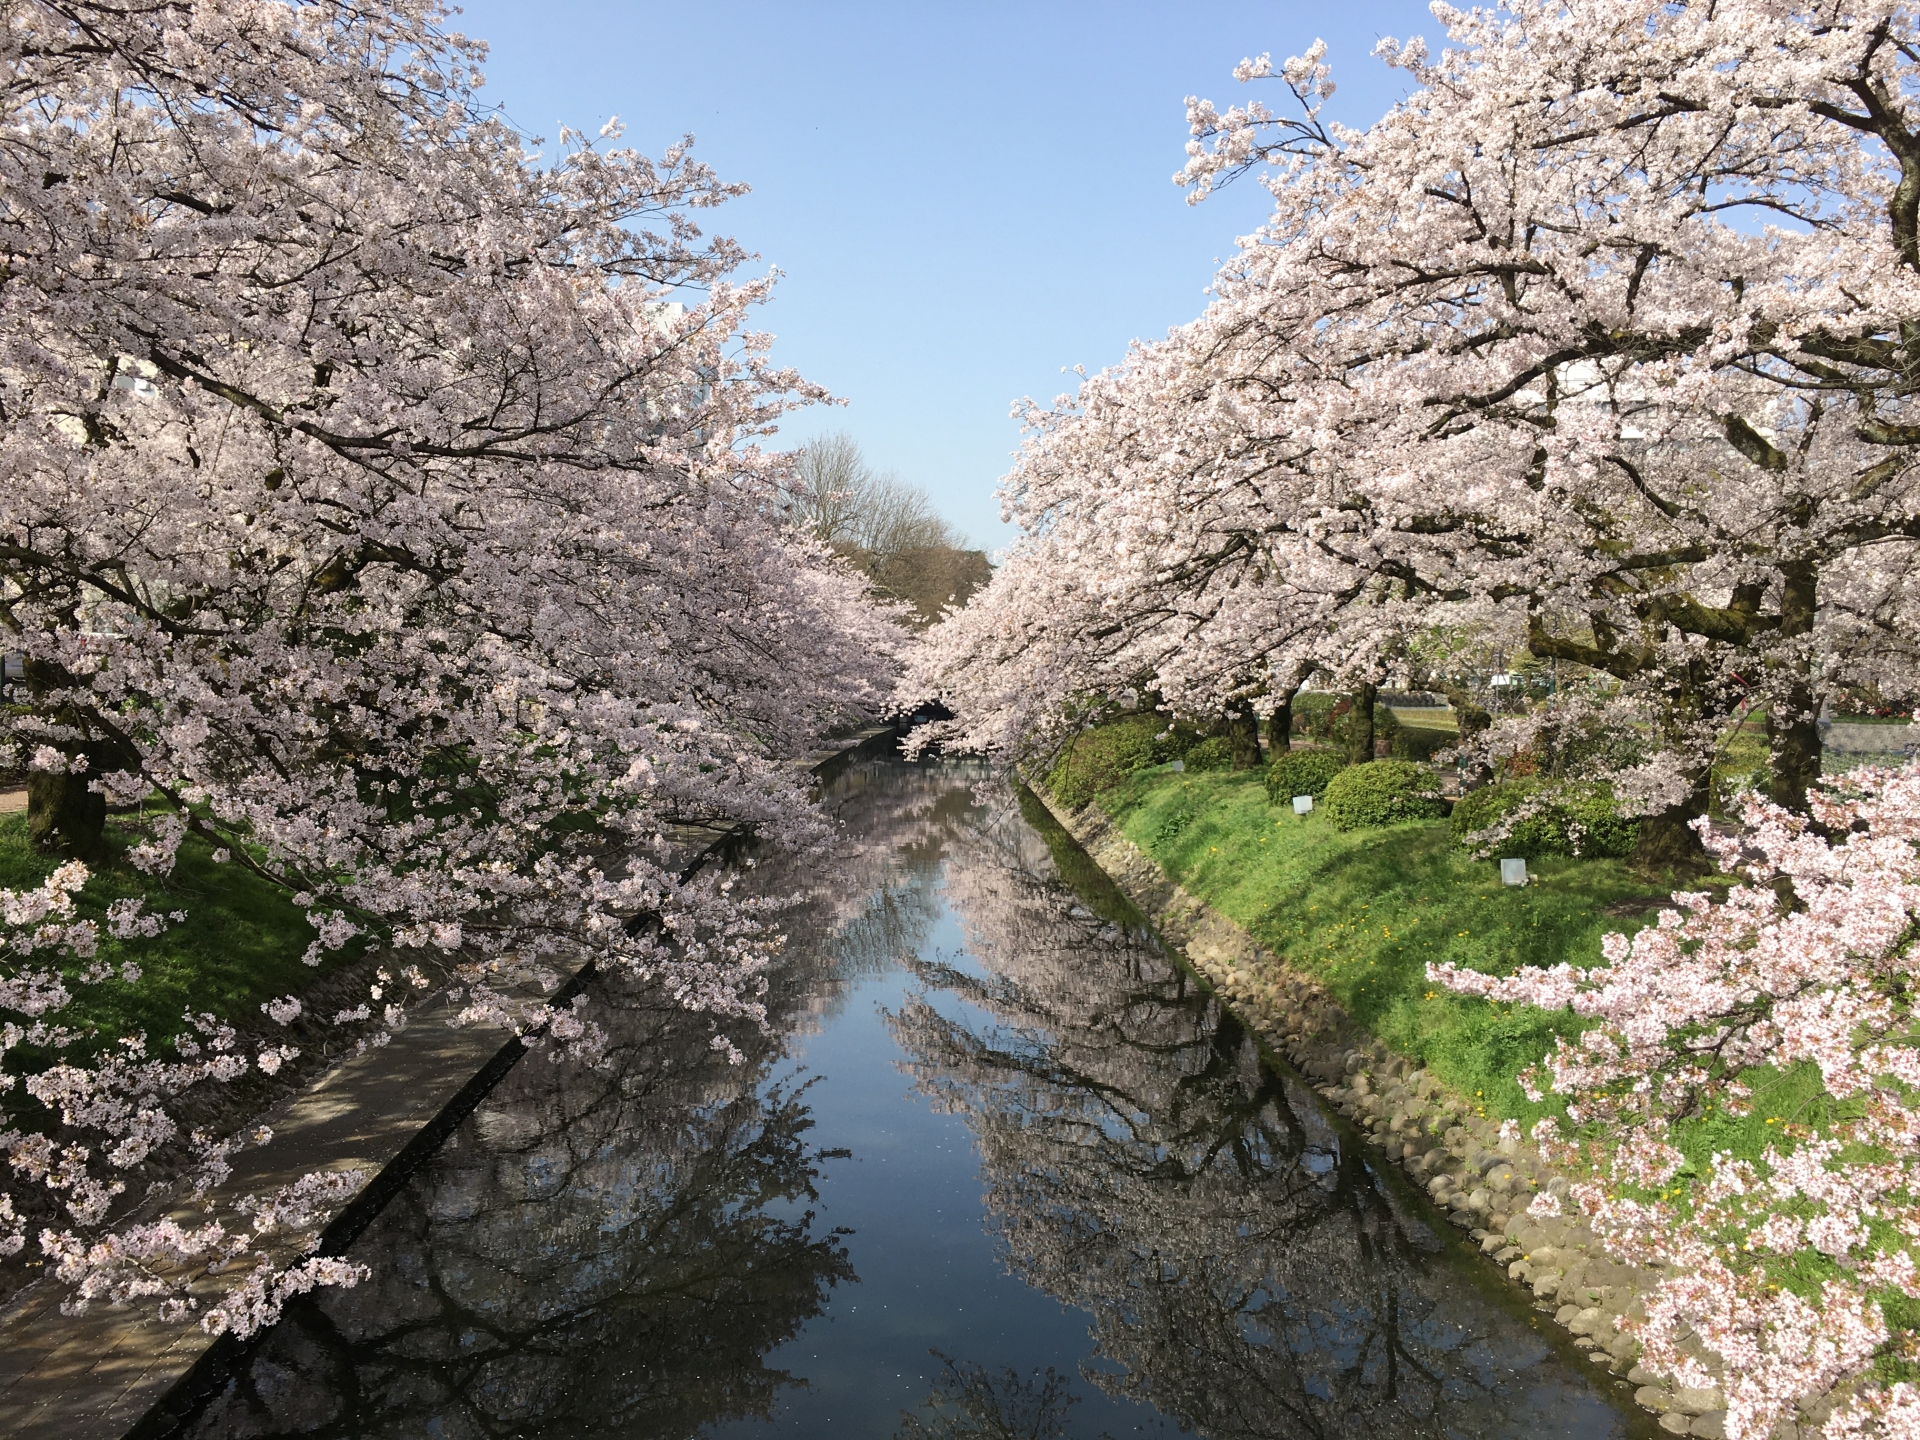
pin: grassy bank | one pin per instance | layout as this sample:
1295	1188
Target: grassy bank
1364	912
240	943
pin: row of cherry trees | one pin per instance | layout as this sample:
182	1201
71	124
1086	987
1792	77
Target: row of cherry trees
1593	344
1599	344
386	506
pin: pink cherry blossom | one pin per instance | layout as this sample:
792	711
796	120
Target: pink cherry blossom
392	511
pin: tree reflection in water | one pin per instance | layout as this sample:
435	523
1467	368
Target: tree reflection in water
1246	1273
578	1262
617	1250
971	1402
621	1250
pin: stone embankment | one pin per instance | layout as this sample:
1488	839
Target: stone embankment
1485	1184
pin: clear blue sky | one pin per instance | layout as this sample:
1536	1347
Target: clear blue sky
964	198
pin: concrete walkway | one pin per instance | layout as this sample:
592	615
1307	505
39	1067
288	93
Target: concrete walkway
94	1376
91	1376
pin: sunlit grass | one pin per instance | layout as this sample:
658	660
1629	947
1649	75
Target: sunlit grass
1365	912
240	944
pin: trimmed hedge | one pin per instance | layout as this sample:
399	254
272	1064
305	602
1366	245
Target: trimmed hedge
1102	757
1578	820
1421	742
1215	753
1382	792
1302	772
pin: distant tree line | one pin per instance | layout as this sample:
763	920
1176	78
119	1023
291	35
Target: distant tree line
886	527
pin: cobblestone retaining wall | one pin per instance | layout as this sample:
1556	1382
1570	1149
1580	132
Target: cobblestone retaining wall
1483	1183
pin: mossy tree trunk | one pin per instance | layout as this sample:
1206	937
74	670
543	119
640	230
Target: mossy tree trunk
1360	724
1793	722
1688	696
65	816
1243	737
1668	840
1280	728
1470	717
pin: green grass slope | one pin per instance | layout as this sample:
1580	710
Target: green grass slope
240	944
1364	912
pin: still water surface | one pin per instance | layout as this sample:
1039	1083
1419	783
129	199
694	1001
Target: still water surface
1000	1169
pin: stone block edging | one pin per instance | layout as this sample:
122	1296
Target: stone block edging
1484	1183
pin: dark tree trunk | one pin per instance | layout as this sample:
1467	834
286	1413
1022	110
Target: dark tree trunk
1793	724
1280	728
1668	840
64	817
1360	725
1243	736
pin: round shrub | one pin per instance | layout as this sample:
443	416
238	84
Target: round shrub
1595	826
1301	772
1564	820
1211	754
1490	805
1100	758
1382	792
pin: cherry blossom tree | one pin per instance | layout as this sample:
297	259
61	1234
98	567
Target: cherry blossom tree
427	526
1782	1265
388	506
112	1107
1524	353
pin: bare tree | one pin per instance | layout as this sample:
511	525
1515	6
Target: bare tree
887	527
833	480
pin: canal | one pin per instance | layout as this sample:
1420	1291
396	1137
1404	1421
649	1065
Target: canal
998	1167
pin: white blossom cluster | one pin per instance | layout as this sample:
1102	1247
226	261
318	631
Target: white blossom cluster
1595	344
1686	1009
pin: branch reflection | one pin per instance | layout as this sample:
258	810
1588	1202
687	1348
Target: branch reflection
616	1250
1245	1271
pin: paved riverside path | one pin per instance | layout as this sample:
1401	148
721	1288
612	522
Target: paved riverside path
93	1376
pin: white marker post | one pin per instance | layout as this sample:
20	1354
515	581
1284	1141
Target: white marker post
1302	804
